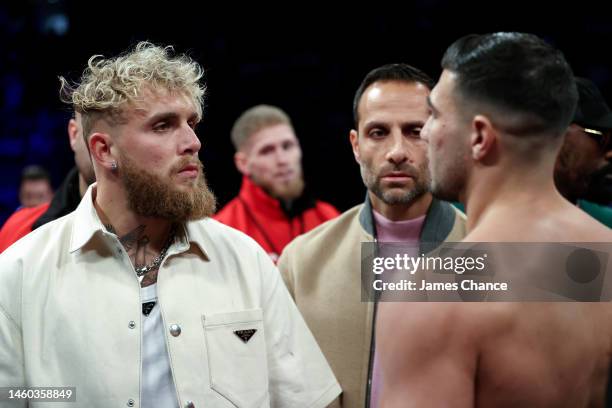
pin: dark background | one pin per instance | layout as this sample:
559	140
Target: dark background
305	58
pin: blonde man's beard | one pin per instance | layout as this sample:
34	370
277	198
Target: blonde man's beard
150	195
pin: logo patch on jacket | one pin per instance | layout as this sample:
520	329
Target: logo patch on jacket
147	307
245	335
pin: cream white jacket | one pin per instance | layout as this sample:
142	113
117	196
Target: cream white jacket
70	315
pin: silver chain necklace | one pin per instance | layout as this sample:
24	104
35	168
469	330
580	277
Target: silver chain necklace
142	270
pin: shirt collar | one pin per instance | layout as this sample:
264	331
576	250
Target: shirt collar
193	233
87	223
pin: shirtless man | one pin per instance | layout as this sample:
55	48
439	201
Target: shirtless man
498	116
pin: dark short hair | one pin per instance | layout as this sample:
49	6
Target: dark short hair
390	72
516	72
34	172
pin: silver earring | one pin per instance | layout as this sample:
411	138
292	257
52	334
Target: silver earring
114	166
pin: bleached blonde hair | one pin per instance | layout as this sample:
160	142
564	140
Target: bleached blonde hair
108	86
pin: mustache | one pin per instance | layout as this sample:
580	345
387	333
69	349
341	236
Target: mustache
402	168
186	161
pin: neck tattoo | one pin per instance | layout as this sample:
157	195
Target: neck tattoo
142	270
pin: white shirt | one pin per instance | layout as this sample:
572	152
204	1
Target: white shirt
157	388
70	315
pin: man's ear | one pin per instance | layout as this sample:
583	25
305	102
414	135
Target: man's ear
100	145
240	160
484	137
354	139
73	133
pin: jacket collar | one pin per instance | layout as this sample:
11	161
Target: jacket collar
87	225
439	222
259	201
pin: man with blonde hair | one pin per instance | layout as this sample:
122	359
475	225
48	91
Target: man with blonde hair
272	206
138	298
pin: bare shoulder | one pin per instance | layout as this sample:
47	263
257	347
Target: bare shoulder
572	224
435	323
562	222
422	343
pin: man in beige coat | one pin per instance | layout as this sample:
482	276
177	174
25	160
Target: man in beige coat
322	267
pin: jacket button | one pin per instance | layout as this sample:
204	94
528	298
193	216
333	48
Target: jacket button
132	324
130	403
175	330
189	404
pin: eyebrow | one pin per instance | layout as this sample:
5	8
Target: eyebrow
163	116
168	116
267	146
375	124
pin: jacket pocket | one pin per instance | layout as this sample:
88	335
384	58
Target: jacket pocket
236	351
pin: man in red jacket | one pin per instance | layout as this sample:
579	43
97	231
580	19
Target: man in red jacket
271	206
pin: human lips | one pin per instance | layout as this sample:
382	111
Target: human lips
285	175
396	176
190	170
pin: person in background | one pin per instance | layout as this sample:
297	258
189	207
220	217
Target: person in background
272	207
35	187
583	172
66	198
